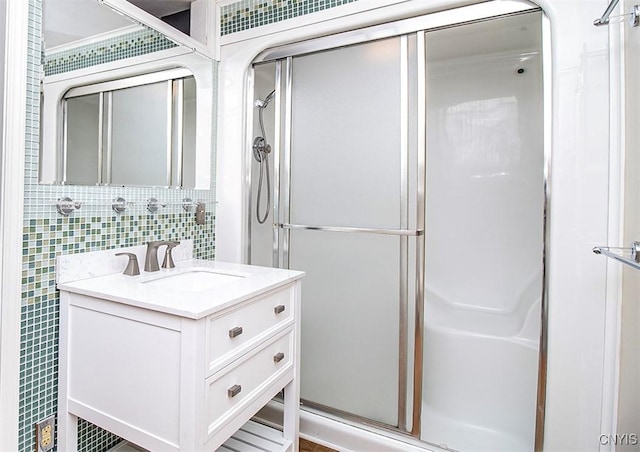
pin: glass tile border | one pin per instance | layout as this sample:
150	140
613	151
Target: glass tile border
248	14
140	42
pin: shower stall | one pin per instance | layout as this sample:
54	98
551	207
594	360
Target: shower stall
403	168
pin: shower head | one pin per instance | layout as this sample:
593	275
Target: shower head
263	103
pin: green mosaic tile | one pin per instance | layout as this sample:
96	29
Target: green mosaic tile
247	14
89	435
40	314
113	49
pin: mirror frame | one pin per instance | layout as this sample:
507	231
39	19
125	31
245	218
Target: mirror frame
106	131
197	57
55	87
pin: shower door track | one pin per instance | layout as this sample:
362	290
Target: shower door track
366	423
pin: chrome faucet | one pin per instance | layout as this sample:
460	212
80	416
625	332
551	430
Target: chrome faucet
132	266
151	260
168	258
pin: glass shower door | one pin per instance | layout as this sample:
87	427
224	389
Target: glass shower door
345	195
396	156
349	322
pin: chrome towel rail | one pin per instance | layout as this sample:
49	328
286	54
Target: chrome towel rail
634	15
626	255
407	232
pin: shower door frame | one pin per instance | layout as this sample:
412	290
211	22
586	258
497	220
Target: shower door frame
420	26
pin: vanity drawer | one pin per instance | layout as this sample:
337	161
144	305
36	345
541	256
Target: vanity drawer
232	390
230	332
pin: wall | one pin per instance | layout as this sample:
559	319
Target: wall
94	227
628	411
578	213
262	234
13	34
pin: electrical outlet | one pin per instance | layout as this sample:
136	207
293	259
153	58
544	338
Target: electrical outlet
44	434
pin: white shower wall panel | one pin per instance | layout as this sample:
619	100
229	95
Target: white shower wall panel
262	234
484	235
485	181
477	389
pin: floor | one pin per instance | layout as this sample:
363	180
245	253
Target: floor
308	446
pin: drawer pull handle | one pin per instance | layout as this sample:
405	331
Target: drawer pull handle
278	357
234	390
235	332
278	309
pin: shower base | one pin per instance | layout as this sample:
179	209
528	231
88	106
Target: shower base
474	438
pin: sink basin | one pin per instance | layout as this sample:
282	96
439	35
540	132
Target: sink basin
195	280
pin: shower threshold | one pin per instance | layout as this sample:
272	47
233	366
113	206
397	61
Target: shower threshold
343	434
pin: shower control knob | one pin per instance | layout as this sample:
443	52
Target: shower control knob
260	147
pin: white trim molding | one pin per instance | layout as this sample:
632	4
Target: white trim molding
613	300
141	16
14	19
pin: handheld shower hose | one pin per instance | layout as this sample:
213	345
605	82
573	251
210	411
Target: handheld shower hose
261	151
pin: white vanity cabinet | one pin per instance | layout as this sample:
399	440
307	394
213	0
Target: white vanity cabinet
178	375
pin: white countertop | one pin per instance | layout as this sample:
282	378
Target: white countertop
133	291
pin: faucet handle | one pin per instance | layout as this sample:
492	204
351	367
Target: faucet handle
132	266
168	258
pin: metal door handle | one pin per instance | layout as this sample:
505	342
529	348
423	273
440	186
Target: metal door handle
278	357
383	231
234	390
278	309
234	332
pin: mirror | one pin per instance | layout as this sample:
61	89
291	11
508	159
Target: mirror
110	131
123	104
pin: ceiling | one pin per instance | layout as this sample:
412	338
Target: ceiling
67	21
161	8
